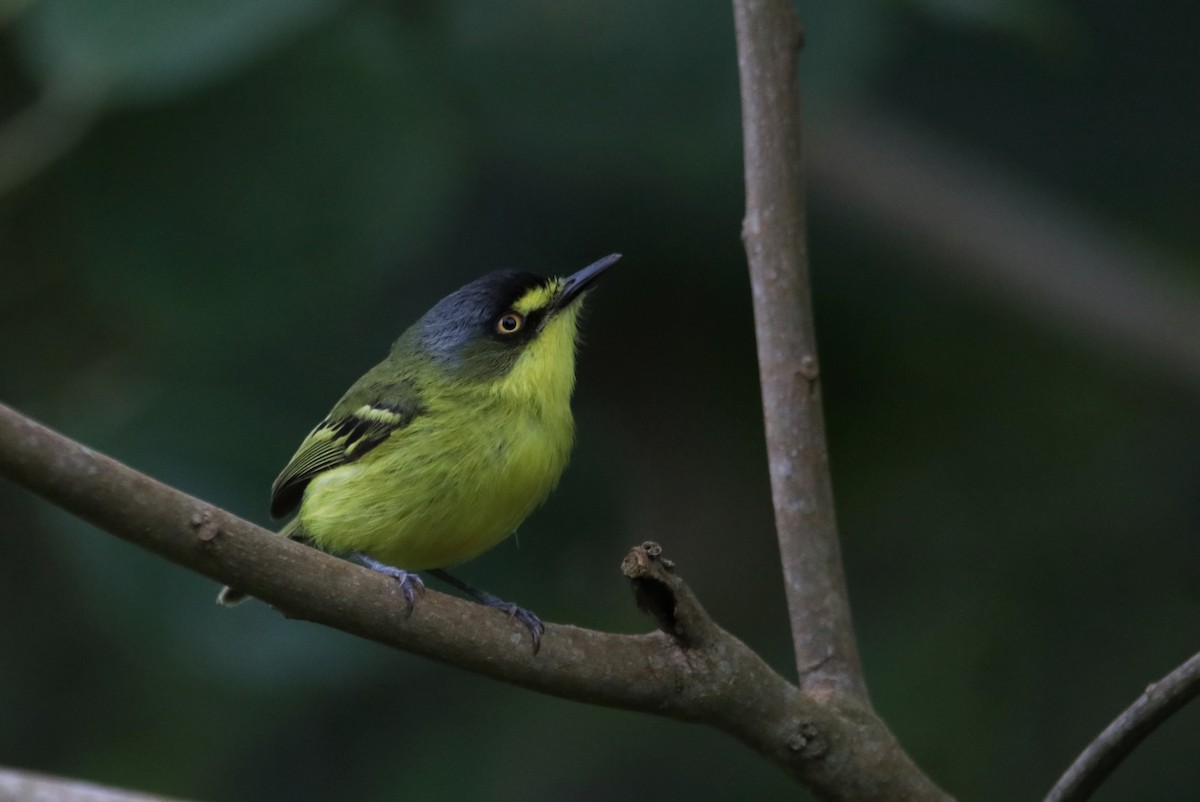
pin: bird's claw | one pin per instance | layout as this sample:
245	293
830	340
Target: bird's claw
410	582
529	619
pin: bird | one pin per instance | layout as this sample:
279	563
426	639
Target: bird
444	448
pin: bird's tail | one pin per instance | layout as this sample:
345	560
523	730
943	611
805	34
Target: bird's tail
232	597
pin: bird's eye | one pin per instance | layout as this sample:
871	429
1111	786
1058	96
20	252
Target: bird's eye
510	323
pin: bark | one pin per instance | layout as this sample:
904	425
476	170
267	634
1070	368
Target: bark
769	37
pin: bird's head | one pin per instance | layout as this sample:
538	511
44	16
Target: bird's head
515	330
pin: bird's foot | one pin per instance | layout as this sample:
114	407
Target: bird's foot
526	617
410	582
529	619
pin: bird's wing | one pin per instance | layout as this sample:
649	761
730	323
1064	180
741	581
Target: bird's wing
366	417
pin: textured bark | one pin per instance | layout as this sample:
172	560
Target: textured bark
769	37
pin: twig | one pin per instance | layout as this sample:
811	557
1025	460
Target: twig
768	39
26	786
1103	755
695	671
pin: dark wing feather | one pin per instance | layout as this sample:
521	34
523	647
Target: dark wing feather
350	431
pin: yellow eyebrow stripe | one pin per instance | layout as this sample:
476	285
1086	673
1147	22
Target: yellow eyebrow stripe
537	298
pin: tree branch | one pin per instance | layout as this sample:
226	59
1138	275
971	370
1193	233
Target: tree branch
26	786
1159	702
693	671
769	37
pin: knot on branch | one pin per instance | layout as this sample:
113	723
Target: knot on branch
663	595
203	523
806	742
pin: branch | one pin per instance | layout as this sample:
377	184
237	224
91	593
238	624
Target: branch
691	671
25	786
769	37
1103	755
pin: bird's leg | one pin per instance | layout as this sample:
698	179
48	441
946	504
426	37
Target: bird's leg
529	619
409	581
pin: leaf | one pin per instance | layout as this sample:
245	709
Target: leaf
147	50
268	200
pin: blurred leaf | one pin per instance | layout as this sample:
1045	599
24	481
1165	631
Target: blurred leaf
11	8
140	50
325	166
845	44
1049	26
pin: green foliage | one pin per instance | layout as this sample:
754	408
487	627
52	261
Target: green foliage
147	51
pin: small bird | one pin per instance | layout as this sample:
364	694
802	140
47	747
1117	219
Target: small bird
441	450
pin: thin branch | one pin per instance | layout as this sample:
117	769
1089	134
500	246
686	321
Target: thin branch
26	786
693	671
769	37
1159	702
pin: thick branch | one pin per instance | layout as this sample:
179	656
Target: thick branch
25	786
697	672
1103	755
768	39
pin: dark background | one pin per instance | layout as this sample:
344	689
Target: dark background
216	214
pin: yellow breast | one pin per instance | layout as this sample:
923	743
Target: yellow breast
461	477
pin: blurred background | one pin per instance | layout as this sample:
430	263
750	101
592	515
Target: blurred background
215	214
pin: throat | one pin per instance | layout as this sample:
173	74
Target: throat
542	384
543	377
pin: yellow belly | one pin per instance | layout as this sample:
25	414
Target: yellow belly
448	487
